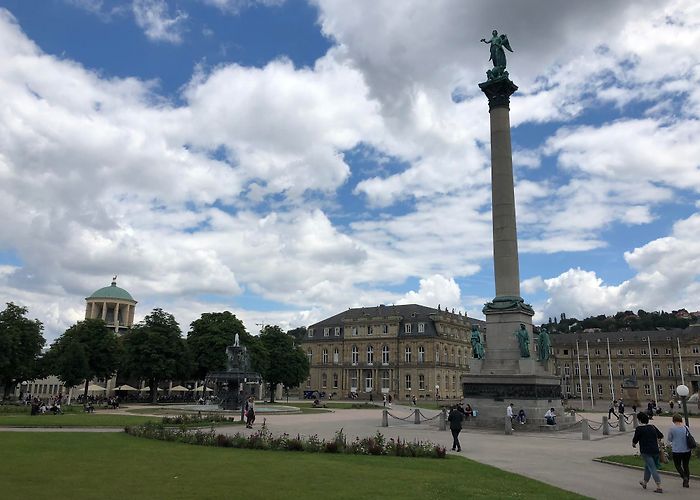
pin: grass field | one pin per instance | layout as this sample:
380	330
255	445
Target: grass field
106	466
73	420
637	461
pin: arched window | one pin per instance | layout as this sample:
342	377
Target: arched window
407	354
336	355
385	354
324	356
370	354
421	354
355	355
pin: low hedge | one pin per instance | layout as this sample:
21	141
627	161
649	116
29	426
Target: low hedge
264	440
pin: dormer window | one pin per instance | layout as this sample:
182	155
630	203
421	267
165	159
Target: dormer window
326	332
337	331
421	327
407	328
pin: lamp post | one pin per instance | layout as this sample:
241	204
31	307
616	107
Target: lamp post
683	391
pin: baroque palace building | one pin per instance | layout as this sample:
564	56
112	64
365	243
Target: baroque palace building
398	350
644	365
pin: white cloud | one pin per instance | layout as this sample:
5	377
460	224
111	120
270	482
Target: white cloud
433	291
158	24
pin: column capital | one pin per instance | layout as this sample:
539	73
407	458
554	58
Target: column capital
498	92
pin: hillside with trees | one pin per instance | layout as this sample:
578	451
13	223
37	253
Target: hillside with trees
624	321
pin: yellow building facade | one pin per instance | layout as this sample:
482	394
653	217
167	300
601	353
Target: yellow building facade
399	350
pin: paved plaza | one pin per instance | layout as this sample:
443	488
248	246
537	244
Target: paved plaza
560	459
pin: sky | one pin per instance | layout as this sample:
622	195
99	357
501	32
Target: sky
286	160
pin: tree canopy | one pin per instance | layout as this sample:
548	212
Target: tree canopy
155	350
21	340
299	333
208	338
620	321
277	359
85	351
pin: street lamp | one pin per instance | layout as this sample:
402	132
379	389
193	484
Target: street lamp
683	391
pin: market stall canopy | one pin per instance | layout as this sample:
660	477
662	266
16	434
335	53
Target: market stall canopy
125	387
95	388
179	388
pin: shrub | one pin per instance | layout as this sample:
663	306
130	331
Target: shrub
264	440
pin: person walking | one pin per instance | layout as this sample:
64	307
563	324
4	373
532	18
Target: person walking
250	413
678	437
611	410
648	438
455	419
509	414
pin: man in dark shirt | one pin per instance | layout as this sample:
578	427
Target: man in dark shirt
455	418
611	410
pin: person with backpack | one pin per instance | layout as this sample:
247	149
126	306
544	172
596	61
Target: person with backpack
648	437
678	437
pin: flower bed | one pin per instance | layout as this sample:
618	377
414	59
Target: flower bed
209	418
264	440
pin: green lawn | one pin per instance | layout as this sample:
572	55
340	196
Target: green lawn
105	466
73	420
636	460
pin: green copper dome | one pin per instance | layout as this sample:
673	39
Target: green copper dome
111	292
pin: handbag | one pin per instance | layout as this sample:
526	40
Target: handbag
690	440
663	457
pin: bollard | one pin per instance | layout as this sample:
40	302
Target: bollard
585	430
606	427
509	429
623	424
416	416
635	422
385	418
443	420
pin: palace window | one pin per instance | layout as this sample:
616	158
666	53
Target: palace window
336	331
643	351
670	370
324	356
600	388
421	382
619	352
447	358
385	379
309	354
370	354
324	380
631	351
368	381
597	352
385	329
354	331
310	332
621	369
657	370
407	328
353	380
598	369
454	382
668	351
578	388
655	351
696	349
697	368
355	355
385	354
437	354
407	354
336	356
567	370
370	330
672	389
326	332
408	382
645	370
647	389
633	370
659	390
421	327
308	382
421	354
335	381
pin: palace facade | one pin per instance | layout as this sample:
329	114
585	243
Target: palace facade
398	350
655	361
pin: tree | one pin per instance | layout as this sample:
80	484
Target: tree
208	338
278	361
155	350
85	351
21	341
